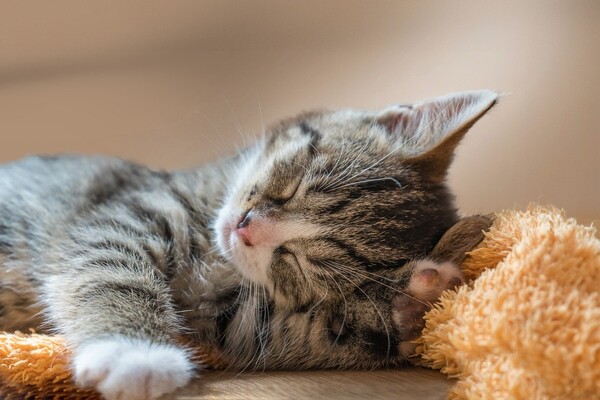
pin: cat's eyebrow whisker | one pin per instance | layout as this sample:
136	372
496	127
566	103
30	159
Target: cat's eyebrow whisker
347	170
237	123
326	177
359	275
371	180
262	121
221	144
396	148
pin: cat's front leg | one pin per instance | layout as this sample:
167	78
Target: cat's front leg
122	327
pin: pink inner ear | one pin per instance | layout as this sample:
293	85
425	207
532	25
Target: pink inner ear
425	125
398	122
393	122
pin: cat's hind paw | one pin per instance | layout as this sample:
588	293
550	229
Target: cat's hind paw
122	368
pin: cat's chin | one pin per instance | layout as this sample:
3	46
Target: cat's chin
252	263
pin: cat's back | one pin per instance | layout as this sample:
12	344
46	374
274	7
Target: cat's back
39	195
53	180
42	191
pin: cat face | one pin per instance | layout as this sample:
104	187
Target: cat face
328	199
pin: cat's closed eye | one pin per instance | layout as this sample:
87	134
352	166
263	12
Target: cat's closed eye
288	193
292	189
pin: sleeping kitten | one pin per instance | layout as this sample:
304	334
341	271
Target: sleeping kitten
297	253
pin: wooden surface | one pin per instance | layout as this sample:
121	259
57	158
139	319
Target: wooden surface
408	383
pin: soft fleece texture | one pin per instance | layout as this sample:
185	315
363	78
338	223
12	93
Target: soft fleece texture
526	327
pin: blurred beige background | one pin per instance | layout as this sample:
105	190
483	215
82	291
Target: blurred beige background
170	83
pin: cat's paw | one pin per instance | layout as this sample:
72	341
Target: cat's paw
427	282
130	369
429	279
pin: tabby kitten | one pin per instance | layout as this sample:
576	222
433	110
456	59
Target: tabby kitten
300	252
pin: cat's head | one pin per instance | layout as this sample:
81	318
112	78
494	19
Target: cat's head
327	198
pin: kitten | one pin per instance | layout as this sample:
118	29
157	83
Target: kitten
298	252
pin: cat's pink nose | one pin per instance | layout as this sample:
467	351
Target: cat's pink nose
243	228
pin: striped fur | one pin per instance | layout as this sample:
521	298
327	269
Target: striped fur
348	202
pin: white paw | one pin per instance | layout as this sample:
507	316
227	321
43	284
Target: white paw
130	369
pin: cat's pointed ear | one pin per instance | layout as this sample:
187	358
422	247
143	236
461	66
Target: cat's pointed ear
429	131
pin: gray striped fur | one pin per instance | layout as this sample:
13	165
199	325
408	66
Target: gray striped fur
92	247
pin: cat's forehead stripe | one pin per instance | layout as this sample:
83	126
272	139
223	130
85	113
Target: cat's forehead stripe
310	131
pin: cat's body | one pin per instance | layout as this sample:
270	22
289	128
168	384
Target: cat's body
56	209
297	253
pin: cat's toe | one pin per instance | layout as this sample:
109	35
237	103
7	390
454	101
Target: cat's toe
429	279
124	368
92	362
427	282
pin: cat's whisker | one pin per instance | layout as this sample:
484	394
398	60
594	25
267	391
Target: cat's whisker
262	330
335	265
263	129
383	321
370	180
345	303
245	358
242	298
220	143
325	179
341	177
266	327
361	275
237	123
349	164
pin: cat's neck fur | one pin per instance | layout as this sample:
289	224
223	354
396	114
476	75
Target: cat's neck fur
210	286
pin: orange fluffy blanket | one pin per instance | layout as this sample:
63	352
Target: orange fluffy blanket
526	327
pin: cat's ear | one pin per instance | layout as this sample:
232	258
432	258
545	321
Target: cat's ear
429	131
